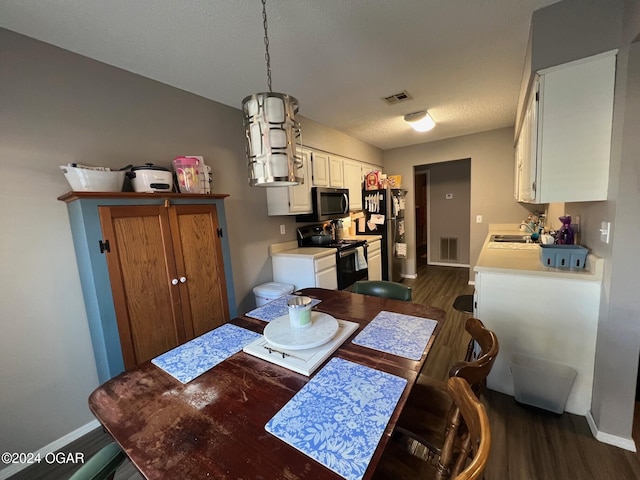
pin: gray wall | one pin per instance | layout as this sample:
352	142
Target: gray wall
618	341
449	218
492	163
59	107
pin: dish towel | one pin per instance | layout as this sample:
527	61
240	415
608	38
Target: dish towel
361	262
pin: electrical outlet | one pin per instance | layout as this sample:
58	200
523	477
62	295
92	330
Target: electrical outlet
283	230
478	218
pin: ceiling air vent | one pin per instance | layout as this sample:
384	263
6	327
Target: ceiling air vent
397	97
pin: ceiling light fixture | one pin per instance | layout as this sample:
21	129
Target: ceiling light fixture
272	132
420	121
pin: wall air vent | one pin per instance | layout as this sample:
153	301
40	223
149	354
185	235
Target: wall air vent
398	97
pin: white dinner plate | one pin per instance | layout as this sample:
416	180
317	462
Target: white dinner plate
280	334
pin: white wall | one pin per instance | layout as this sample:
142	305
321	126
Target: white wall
58	107
492	163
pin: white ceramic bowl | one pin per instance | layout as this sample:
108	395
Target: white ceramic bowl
85	180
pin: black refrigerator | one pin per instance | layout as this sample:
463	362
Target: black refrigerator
384	215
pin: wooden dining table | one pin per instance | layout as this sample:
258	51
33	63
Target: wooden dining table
213	427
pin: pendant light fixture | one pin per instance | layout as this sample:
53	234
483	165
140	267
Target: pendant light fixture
420	121
272	132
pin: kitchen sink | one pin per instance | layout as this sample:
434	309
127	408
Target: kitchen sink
511	238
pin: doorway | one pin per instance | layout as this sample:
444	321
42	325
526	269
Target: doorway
421	182
442	212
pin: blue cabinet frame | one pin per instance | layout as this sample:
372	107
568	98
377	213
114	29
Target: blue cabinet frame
92	264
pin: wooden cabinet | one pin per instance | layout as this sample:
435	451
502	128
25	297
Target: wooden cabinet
320	169
167	276
374	259
563	147
155	271
352	174
292	200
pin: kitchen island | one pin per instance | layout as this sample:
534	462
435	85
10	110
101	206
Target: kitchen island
537	311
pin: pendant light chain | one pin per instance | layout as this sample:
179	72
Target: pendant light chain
266	43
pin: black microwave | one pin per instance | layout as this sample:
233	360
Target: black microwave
327	204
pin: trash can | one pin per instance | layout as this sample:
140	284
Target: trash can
270	291
541	383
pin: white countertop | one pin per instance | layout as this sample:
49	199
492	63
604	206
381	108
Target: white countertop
312	252
525	259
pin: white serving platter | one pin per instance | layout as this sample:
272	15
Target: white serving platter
280	334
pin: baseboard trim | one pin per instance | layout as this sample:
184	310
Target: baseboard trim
445	264
411	276
54	446
616	441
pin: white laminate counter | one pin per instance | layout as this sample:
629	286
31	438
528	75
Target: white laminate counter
525	259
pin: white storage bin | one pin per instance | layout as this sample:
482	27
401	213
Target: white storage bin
541	383
86	180
270	291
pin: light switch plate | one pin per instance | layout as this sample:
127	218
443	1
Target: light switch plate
605	230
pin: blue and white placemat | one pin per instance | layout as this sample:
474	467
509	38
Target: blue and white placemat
339	417
396	333
275	308
195	357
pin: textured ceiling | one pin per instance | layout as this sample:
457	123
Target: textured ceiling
460	59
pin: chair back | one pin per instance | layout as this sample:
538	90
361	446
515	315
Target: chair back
384	289
469	429
475	371
102	465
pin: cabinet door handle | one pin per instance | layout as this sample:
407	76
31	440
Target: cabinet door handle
183	279
174	281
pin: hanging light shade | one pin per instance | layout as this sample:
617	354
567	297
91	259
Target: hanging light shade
272	133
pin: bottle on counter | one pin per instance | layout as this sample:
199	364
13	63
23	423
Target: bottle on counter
565	234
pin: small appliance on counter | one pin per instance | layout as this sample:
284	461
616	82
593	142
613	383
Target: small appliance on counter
150	178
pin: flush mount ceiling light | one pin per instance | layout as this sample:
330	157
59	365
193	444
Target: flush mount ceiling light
420	121
272	132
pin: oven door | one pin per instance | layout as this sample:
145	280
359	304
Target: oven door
349	269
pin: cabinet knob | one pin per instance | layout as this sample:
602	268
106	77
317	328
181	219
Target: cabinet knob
183	279
174	281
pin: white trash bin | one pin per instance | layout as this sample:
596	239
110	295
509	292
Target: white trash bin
270	291
541	383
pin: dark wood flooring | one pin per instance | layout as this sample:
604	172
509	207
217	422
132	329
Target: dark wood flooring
526	444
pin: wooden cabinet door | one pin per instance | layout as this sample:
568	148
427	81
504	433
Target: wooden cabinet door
141	269
352	177
198	253
320	170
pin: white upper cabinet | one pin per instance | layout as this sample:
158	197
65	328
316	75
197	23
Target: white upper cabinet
353	177
335	171
563	147
292	200
320	169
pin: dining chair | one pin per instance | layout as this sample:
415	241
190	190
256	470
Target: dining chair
383	288
469	430
102	465
424	418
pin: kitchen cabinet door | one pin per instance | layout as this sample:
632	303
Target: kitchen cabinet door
320	169
292	200
166	275
565	139
374	260
335	172
352	173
